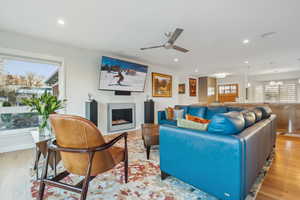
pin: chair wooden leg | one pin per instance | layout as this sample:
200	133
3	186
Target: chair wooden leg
126	160
148	148
44	176
36	163
55	170
86	182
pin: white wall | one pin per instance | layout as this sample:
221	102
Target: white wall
81	78
186	99
257	81
81	68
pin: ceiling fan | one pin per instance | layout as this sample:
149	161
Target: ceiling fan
170	43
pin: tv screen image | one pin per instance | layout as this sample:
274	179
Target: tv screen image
122	75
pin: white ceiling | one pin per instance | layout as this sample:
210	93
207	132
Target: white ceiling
213	30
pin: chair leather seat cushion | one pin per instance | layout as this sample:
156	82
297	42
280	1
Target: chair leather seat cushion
117	154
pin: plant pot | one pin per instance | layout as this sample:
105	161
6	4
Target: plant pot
44	126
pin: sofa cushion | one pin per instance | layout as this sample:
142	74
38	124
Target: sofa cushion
196	119
178	114
266	111
184	123
184	108
198	111
258	114
249	117
211	111
169	113
230	123
238	109
169	122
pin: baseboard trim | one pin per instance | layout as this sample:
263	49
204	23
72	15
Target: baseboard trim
16	148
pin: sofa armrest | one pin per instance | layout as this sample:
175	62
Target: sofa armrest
161	115
213	163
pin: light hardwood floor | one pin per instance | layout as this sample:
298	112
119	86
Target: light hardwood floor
283	179
281	183
15	175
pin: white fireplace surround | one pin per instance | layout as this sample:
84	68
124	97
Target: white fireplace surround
110	107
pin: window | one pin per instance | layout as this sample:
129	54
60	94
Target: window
228	92
20	79
280	91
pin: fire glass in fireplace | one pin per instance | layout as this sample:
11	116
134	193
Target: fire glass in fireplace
121	116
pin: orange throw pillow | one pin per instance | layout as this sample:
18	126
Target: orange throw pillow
169	113
196	119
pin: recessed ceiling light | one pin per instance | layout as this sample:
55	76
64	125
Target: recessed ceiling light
246	62
61	22
220	75
176	59
246	41
196	70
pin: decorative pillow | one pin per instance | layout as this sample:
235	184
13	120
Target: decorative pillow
184	123
178	114
184	108
169	113
196	119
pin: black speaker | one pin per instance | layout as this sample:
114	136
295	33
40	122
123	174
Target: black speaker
124	93
91	111
149	111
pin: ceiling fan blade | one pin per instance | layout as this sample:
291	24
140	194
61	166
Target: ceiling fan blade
175	35
178	48
152	47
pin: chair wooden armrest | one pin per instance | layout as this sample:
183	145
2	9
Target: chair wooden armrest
55	147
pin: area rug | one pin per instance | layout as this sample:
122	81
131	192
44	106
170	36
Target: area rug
144	180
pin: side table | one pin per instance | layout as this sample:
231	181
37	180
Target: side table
150	135
41	148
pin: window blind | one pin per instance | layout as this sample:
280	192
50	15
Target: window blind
283	91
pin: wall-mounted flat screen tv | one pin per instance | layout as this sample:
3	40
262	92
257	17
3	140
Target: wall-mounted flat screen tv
122	75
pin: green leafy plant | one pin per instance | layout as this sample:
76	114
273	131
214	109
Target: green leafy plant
6	104
44	105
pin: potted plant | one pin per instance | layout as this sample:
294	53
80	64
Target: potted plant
44	105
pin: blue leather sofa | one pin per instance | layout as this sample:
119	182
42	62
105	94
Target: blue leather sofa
225	160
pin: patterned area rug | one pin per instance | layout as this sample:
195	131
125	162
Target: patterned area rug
144	180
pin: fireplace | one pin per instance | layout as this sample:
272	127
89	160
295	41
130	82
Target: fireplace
121	116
